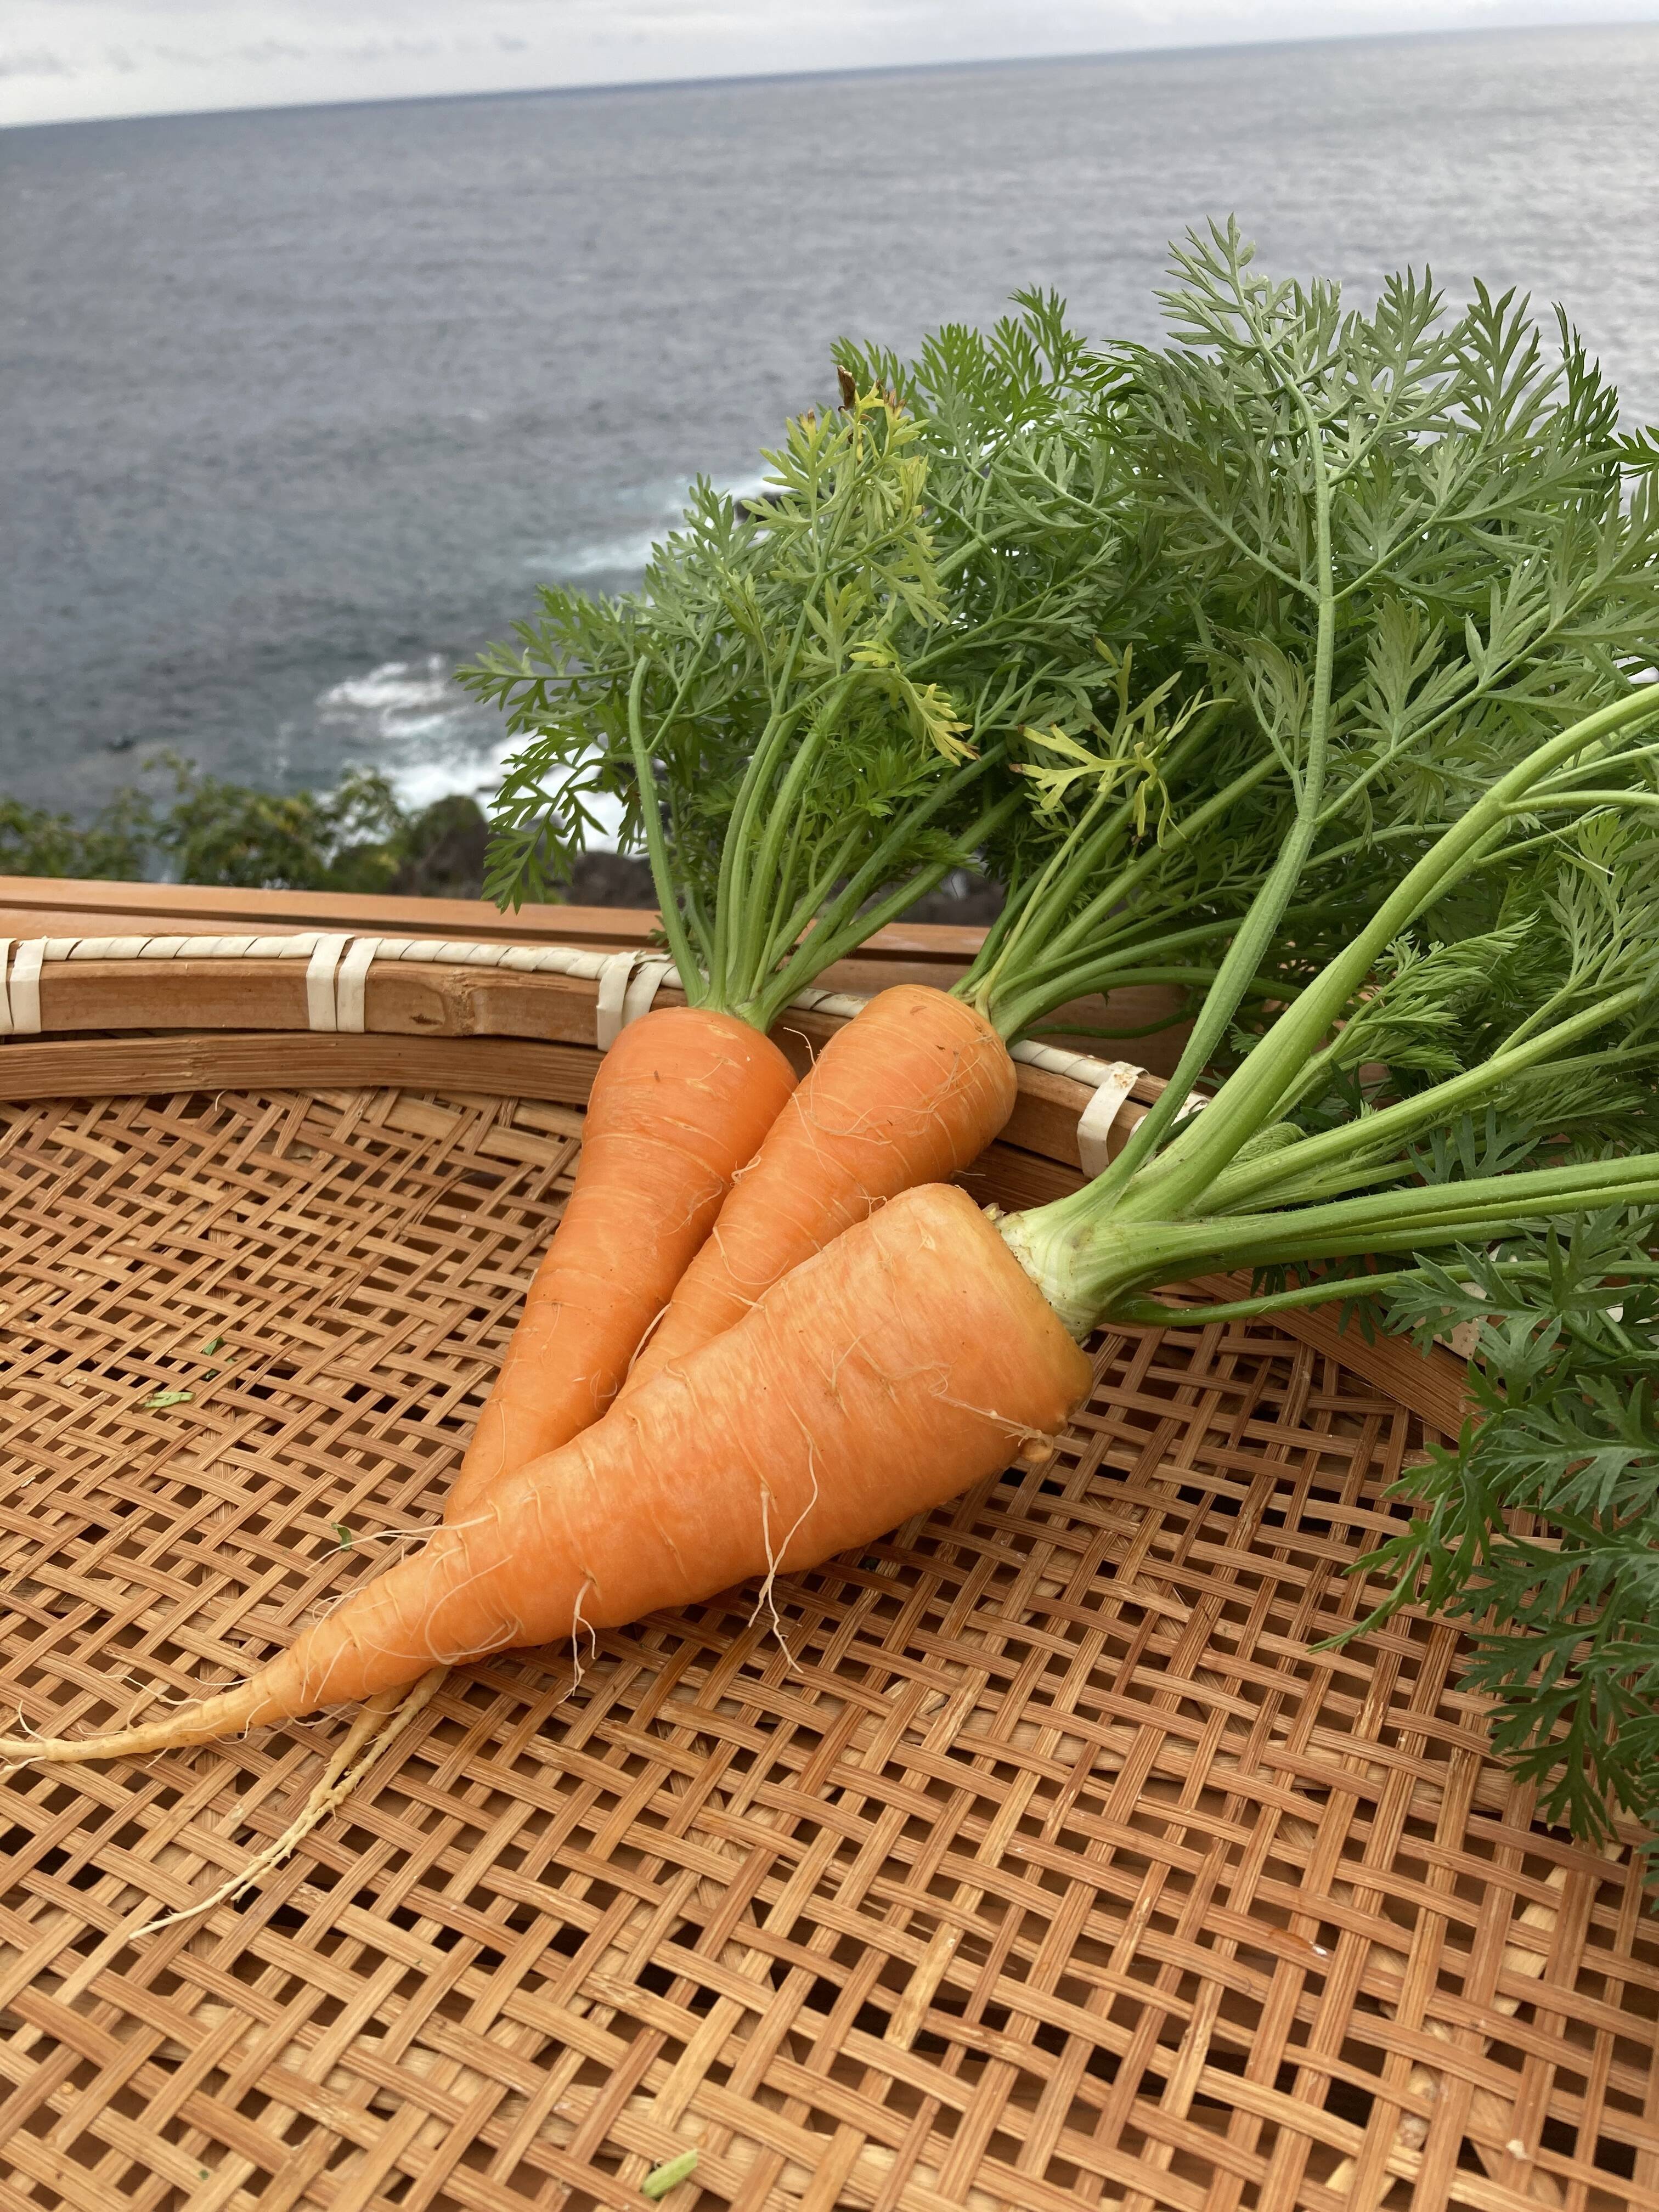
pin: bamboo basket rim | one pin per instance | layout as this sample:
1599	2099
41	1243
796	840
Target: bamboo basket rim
1072	1109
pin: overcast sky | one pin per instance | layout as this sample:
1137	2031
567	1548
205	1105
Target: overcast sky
64	58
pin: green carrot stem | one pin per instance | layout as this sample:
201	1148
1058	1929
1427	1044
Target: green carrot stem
846	921
693	977
1085	1274
1155	858
1250	949
1251	1095
1392	1125
1155	1313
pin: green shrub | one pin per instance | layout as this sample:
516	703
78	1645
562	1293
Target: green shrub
36	842
355	837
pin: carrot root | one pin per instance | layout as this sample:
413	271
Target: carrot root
371	1735
910	1359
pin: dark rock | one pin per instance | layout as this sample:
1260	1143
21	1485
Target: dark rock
442	854
611	879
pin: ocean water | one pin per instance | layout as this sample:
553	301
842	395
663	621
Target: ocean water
300	406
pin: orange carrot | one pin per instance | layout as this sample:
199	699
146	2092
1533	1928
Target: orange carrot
909	1091
681	1102
909	1358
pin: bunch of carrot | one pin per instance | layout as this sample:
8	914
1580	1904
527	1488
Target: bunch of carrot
928	1344
769	1327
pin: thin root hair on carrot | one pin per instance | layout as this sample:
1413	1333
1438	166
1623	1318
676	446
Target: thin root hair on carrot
505	1637
651	1326
832	1374
393	1535
378	1726
774	1560
764	1601
1020	1429
578	1623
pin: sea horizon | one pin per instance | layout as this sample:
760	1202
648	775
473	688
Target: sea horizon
731	77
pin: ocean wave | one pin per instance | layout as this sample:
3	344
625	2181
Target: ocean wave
395	689
411	721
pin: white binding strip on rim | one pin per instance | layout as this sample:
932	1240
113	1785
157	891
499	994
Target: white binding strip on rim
608	1016
1054	1060
654	971
320	982
5	995
350	979
26	988
849	1005
1102	1110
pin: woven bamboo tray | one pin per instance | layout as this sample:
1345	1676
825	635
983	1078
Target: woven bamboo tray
1048	1866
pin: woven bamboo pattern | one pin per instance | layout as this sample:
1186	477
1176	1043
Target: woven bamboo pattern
1033	1860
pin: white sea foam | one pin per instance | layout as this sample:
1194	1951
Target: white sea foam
411	721
394	690
607	557
422	782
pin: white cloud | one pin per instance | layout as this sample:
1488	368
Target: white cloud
62	58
